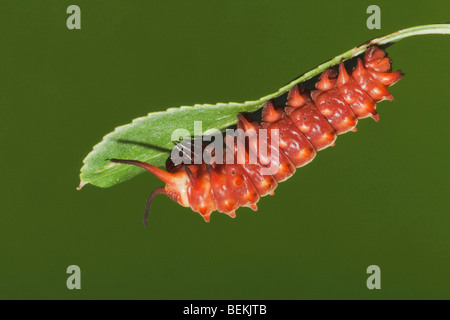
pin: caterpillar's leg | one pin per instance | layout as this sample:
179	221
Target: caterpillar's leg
154	193
163	175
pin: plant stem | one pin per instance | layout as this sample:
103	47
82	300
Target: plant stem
390	38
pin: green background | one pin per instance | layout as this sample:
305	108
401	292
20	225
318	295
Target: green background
379	197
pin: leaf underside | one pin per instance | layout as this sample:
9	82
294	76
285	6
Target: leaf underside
148	138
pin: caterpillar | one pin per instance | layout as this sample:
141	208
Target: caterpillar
309	122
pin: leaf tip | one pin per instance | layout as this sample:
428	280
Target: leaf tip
82	184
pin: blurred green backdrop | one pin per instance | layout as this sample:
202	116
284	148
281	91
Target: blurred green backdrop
379	197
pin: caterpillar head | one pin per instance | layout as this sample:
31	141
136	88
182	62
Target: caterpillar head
175	188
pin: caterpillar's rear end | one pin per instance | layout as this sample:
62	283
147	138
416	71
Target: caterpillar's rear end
309	122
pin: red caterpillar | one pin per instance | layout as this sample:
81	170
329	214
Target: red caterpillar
309	122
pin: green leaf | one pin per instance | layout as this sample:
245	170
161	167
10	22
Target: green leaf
148	138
